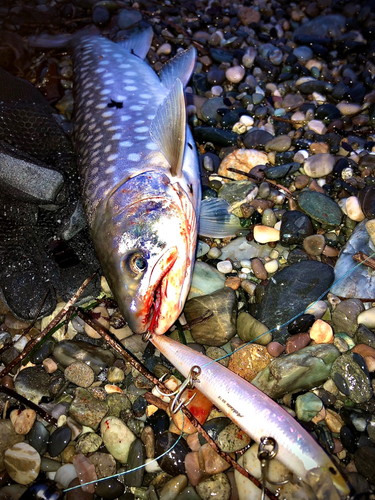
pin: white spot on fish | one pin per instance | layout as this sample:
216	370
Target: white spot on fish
114	127
112	157
107	149
94	171
136	107
134	157
89	102
100	70
124	66
110	170
107	114
126	144
97	145
105	91
145	96
141	129
109	82
152	146
125	118
130	88
139	122
151	117
142	137
104	62
116	137
107	122
130	73
120	98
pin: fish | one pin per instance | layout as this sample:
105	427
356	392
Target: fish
139	174
253	411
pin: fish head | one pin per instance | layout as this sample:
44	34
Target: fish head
145	236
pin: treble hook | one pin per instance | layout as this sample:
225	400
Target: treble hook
267	451
188	383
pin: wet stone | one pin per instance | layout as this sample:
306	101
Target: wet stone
295	226
59	440
216	486
210	107
213	427
236	191
105	464
139	406
351	376
8	438
301	324
86	409
367	199
38	437
344	317
88	443
297	342
44	351
68	351
249	361
117	438
22	462
256	139
79	374
33	383
159	422
320	207
305	282
232	439
117	403
221	327
308	406
280	171
364	461
174	462
136	459
314	244
300	370
110	489
250	329
364	335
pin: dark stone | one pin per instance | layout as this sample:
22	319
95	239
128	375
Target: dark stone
59	440
320	207
327	112
367	198
305	282
280	171
256	139
215	76
213	428
43	489
301	324
350	374
110	489
139	406
68	351
217	136
364	459
220	55
100	16
38	437
174	462
364	335
348	437
210	109
159	422
137	456
33	383
45	350
295	226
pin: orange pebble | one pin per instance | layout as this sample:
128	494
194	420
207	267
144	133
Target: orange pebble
321	332
200	407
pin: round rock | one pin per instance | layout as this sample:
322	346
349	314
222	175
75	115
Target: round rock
320	207
80	374
22	463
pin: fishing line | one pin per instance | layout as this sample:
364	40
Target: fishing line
135	468
277	328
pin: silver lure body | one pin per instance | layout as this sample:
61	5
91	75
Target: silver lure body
140	175
252	410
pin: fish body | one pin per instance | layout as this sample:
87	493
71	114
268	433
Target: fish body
253	411
139	174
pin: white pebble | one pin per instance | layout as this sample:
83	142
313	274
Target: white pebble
317	309
367	318
271	266
216	90
353	209
245	270
265	234
248	121
164	49
214	253
317	126
245	263
225	266
235	74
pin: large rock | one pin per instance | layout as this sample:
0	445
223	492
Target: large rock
301	370
8	438
221	327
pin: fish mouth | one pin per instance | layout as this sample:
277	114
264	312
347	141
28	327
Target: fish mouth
158	292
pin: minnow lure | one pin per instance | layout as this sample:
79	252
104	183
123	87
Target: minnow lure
253	411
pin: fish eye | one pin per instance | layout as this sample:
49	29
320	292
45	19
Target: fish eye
137	263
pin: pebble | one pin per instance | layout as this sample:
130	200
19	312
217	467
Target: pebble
265	234
249	361
367	318
297	342
22	463
86	409
235	74
216	486
38	437
174	462
319	165
59	440
22	421
250	329
85	472
241	159
99	315
353	209
351	376
224	266
321	332
173	487
79	374
117	438
308	406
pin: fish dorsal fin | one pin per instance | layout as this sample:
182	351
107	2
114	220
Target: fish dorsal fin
138	44
168	128
181	66
215	219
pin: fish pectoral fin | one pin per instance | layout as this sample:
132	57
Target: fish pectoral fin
168	128
138	44
215	219
181	66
